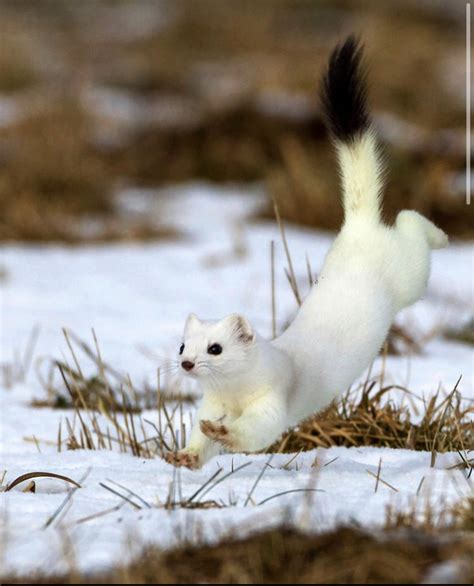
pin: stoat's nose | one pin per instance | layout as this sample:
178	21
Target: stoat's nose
187	365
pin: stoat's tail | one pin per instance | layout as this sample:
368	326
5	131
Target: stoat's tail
344	102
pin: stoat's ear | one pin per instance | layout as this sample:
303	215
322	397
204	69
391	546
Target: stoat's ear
192	324
240	327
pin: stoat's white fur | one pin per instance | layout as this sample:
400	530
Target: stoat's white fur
256	389
245	388
369	274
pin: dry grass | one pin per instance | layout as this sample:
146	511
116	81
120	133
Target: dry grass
50	173
422	517
120	427
124	430
368	417
401	342
53	176
67	386
304	181
228	142
279	44
107	407
284	556
463	334
15	371
214	66
295	158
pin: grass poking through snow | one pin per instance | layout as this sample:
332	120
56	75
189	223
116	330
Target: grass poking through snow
368	417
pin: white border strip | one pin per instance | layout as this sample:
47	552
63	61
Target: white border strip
468	103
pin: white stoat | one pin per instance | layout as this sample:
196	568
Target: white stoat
255	389
245	382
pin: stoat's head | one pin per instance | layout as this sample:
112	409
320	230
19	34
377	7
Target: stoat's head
216	350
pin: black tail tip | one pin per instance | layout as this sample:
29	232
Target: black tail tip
344	92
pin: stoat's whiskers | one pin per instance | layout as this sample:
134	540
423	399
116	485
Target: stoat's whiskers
168	368
214	373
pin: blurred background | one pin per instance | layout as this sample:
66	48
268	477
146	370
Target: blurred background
101	96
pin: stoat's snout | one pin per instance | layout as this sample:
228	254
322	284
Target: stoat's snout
187	365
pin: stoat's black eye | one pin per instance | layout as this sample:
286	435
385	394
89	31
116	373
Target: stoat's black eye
181	349
214	349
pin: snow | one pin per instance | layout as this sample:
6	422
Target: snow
347	495
138	295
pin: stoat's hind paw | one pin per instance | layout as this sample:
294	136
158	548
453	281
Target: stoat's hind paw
183	458
216	432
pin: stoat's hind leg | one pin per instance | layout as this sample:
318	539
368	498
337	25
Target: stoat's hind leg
415	238
413	224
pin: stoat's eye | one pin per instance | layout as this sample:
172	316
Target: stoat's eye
181	349
215	349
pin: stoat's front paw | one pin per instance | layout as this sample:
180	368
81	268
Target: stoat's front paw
184	458
218	433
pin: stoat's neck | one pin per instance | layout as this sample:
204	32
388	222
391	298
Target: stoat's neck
231	384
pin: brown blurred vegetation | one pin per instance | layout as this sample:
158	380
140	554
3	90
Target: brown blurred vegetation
117	93
347	555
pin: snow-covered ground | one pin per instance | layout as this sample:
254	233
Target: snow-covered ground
138	295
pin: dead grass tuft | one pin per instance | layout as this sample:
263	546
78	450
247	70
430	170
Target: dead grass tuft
15	371
68	387
108	409
424	518
121	427
463	334
368	417
126	430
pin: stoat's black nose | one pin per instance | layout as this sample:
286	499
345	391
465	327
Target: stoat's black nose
187	365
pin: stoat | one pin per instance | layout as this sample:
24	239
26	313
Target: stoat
254	389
